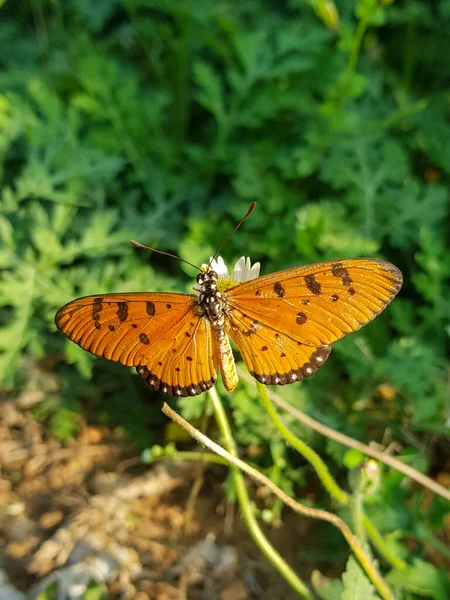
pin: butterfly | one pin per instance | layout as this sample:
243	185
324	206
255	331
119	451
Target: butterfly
283	324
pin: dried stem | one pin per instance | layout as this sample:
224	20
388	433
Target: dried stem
370	570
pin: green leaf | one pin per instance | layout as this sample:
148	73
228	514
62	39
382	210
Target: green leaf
412	208
82	359
210	95
327	589
16	291
356	584
249	45
95	591
353	458
423	579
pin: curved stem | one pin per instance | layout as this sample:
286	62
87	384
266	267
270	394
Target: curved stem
244	501
345	440
206	457
379	543
316	513
356	46
363	525
358	517
308	453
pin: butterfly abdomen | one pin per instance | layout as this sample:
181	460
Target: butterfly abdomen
212	305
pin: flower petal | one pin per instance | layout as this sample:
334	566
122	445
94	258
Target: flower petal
219	267
243	271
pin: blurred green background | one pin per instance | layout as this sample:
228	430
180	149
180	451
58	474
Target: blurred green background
161	120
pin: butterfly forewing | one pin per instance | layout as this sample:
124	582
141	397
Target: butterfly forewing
312	306
159	334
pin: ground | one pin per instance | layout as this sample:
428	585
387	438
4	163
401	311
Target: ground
88	509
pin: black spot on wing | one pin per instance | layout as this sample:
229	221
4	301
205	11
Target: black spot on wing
338	270
313	285
143	338
96	308
301	318
279	290
122	311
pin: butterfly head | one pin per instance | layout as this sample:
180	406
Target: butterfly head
207	280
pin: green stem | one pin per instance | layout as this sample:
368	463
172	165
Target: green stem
356	46
182	57
395	117
244	502
409	62
377	540
316	513
314	459
363	525
40	26
351	64
358	517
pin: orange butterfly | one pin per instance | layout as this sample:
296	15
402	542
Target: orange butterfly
283	323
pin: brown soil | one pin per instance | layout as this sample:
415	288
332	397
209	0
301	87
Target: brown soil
90	499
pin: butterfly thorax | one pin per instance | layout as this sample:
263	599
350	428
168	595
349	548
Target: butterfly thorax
212	307
210	298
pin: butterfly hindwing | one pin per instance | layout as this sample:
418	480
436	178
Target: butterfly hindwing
273	357
318	304
158	333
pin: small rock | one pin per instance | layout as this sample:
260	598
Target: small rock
21	549
21	528
90	435
50	519
29	399
235	591
14	509
34	466
208	560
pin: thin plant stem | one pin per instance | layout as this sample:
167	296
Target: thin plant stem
372	573
206	457
409	56
358	516
379	543
356	503
244	501
308	453
372	532
40	26
356	46
374	535
345	440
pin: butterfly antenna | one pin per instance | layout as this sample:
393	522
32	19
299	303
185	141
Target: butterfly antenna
139	245
247	214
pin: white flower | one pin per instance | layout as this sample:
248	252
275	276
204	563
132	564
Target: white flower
243	269
219	267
